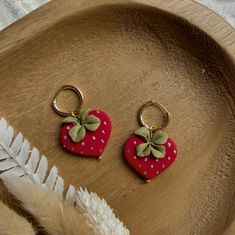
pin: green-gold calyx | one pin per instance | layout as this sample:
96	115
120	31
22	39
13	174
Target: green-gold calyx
153	143
82	121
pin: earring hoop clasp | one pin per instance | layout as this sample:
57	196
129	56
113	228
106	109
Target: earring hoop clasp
77	92
157	105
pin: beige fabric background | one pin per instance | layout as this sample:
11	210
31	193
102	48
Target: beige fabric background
225	8
12	10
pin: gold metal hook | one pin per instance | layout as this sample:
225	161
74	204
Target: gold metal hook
157	105
80	100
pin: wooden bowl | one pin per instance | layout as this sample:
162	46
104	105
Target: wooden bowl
121	54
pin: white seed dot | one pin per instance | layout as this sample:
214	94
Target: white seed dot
105	123
103	131
93	137
81	152
169	144
152	166
135	157
169	158
91	148
68	127
139	165
156	160
97	111
163	166
101	150
157	172
174	151
145	159
65	137
145	172
102	141
135	142
82	143
72	149
64	146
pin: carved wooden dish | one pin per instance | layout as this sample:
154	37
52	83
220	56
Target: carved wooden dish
122	54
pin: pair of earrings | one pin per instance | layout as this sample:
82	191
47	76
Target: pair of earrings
149	151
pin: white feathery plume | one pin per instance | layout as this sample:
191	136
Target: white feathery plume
100	216
16	159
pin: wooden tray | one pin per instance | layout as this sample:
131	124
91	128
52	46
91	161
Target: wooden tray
122	54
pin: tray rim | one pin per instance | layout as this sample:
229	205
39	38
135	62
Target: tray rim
14	37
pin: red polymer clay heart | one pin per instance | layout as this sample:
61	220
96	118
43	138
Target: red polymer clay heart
148	167
94	142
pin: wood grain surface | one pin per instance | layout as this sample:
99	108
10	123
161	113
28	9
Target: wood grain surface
121	54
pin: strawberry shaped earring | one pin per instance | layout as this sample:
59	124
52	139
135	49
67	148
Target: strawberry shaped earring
149	151
84	132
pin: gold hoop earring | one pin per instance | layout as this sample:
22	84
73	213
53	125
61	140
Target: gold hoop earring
84	132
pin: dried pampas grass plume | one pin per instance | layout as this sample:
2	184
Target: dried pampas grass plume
12	223
56	216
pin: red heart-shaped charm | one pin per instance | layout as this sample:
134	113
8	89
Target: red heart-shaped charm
149	166
94	142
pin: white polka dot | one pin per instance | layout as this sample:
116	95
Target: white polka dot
157	172
82	143
93	137
139	165
98	111
169	144
101	150
91	148
65	137
145	159
169	158
105	123
163	166
135	157
102	141
152	166
174	151
135	142
68	127
128	150
103	131
145	172
72	149
81	152
64	146
156	160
